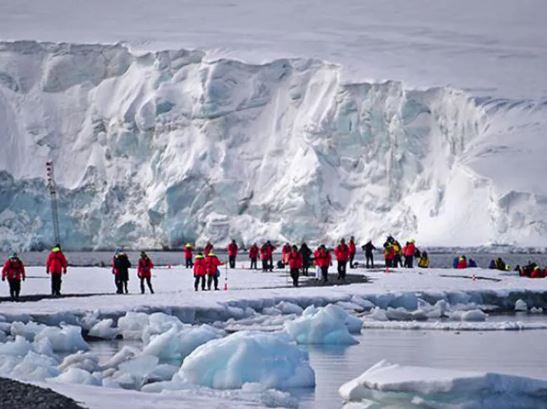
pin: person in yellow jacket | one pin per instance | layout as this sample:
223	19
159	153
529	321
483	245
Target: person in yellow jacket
424	260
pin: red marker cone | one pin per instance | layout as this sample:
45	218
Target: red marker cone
225	286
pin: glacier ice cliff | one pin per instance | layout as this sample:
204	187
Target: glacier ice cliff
155	148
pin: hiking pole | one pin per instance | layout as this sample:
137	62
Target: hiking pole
226	278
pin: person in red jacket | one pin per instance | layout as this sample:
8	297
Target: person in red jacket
253	255
144	271
200	270
342	255
265	256
537	273
285	251
295	261
352	250
323	261
56	265
232	253
212	263
188	250
208	248
408	252
14	271
462	263
389	254
271	251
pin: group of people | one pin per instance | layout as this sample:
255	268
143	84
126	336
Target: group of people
396	255
299	260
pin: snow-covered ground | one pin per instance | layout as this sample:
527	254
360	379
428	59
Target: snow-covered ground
267	320
287	120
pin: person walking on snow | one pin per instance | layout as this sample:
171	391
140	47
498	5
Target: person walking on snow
120	269
352	251
285	251
232	253
368	248
200	270
253	255
342	255
295	262
323	261
208	248
144	271
56	265
306	258
188	250
212	263
265	257
14	271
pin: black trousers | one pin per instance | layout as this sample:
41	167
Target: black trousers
14	288
342	270
212	279
189	263
56	284
369	258
409	261
265	265
271	266
197	280
351	257
294	276
232	261
148	282
253	263
325	273
121	285
389	263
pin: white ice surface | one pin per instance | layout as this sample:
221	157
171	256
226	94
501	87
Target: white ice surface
387	384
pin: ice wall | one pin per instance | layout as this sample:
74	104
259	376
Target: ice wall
153	149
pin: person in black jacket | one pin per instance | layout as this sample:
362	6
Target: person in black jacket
120	269
368	248
306	258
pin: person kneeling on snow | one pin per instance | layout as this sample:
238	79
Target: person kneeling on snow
423	262
14	270
212	263
200	269
295	261
144	271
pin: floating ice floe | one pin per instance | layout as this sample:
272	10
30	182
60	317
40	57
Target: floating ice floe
104	329
68	338
391	385
520	305
324	325
248	357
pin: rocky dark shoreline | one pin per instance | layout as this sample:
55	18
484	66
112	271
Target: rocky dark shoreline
18	395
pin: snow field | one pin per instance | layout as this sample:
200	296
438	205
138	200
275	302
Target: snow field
182	342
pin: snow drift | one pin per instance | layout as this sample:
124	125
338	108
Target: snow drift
155	148
391	385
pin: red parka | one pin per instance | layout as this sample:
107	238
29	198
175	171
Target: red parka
144	269
295	259
265	252
212	262
188	252
13	269
351	248
232	249
537	273
322	258
253	251
462	263
409	250
285	251
389	253
208	248
200	267
56	262
342	252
